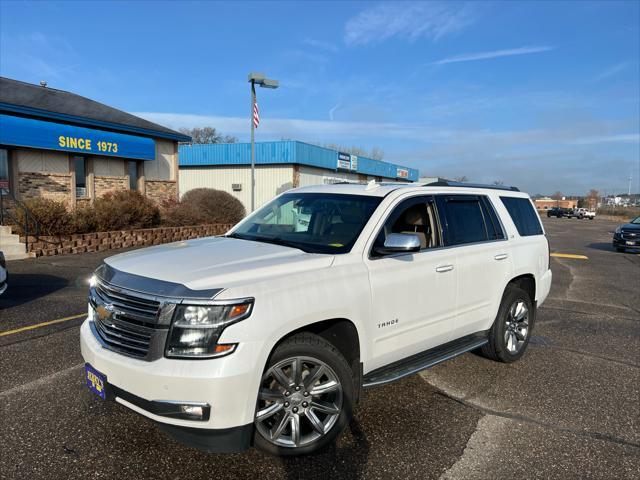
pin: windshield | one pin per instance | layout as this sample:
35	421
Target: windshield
636	221
313	222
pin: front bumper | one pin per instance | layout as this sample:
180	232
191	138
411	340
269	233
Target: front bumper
228	385
622	243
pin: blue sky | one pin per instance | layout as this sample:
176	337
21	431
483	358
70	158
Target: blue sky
543	95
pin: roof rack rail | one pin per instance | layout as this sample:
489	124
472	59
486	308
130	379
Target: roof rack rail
448	183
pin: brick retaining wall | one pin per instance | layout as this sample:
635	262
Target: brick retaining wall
96	242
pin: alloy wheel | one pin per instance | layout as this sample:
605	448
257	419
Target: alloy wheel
299	401
517	326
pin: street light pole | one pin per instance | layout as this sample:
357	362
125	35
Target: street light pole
253	146
256	79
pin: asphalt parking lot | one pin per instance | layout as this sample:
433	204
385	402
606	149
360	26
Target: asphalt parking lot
569	409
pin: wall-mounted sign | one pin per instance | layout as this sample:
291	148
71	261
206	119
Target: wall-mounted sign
28	132
344	161
354	162
402	173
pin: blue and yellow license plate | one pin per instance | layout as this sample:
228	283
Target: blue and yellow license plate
96	381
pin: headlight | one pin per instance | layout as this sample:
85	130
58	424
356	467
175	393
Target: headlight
195	329
618	230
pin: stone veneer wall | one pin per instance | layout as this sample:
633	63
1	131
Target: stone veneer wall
103	184
161	190
55	186
96	242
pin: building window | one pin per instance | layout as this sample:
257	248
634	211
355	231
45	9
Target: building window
4	169
80	166
133	175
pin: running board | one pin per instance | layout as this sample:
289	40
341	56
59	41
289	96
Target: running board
420	361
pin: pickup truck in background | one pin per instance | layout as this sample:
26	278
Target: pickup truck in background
580	213
590	214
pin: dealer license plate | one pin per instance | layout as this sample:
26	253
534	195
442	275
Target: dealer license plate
96	381
630	242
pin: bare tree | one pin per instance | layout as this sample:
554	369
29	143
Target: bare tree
207	135
376	153
461	179
498	183
592	198
557	197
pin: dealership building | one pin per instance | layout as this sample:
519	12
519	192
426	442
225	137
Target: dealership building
280	166
66	147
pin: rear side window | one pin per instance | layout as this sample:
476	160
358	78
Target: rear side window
494	228
523	215
463	219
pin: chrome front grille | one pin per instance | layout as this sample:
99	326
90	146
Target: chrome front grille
127	322
630	234
124	337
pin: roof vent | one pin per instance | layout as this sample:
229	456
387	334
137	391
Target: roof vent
43	83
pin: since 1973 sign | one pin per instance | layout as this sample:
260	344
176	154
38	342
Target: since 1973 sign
29	132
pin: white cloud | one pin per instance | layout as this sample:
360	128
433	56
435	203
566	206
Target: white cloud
468	57
409	20
289	127
417	133
613	70
333	110
330	47
620	138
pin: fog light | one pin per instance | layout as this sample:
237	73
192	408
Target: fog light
193	411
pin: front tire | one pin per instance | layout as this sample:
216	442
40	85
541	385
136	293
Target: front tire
305	399
511	330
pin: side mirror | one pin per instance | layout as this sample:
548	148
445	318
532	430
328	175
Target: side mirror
400	243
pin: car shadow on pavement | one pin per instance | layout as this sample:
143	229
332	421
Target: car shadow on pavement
27	287
351	456
607	247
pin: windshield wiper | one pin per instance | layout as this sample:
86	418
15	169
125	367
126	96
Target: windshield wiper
237	235
279	241
272	240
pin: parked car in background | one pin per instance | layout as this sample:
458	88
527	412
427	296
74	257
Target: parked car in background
3	274
267	335
557	212
627	236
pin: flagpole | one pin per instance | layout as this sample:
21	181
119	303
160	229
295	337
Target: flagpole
253	153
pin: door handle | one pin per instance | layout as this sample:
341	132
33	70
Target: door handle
500	256
444	268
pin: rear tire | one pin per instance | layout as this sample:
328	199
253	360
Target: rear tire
306	397
511	330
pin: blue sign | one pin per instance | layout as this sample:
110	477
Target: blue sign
28	132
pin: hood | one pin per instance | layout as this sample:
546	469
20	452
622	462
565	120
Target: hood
216	262
631	226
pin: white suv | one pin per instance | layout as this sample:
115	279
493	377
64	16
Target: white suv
266	335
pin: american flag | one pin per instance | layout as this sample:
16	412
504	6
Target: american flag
256	114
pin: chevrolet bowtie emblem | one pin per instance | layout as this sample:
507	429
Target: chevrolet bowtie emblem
104	311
